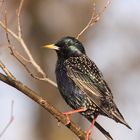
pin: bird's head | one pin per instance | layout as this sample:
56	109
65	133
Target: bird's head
67	47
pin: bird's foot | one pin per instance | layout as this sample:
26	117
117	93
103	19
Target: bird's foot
69	113
68	118
88	131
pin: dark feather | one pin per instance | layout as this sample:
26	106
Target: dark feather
89	79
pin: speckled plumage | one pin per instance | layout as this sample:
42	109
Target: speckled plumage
81	83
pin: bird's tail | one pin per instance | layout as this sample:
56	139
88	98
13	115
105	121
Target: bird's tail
117	116
107	135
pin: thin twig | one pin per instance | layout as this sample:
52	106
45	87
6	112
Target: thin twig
30	58
44	79
1	5
12	49
10	121
94	17
6	24
18	19
14	52
38	68
90	21
19	55
7	72
9	31
24	45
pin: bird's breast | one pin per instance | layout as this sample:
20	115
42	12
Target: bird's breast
72	94
65	84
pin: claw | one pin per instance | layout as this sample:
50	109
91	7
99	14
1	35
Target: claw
68	118
69	113
88	133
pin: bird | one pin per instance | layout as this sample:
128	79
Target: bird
82	85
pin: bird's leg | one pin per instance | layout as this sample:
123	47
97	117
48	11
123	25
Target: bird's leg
88	131
69	113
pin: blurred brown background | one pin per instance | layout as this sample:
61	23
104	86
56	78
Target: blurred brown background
113	43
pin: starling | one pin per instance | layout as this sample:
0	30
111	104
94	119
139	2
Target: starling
82	84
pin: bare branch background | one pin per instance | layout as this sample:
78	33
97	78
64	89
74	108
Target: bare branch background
48	27
11	80
95	17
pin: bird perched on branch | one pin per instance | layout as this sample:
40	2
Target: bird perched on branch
82	85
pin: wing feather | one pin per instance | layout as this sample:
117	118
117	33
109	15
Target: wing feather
89	79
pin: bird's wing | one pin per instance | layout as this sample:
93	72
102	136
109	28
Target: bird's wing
89	79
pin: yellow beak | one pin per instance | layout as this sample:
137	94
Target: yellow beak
51	46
